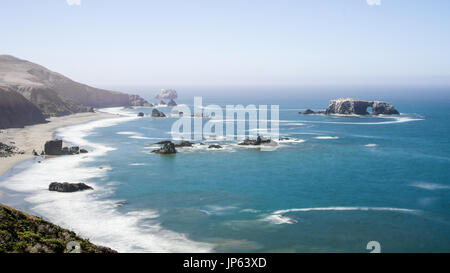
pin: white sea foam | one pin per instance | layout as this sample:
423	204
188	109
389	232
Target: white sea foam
250	210
430	186
327	137
371	145
137	164
291	140
348	209
127	133
218	210
139	137
393	121
278	219
88	213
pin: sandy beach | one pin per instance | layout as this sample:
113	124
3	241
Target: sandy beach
34	137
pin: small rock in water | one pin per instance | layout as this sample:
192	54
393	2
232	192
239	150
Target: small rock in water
257	141
184	143
68	187
168	148
158	114
215	146
307	112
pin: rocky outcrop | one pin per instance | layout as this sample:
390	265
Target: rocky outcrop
163	142
55	94
215	146
383	108
16	111
158	114
359	107
23	233
135	100
167	94
258	141
9	150
83	151
141	114
68	187
172	103
311	112
168	148
184	143
53	147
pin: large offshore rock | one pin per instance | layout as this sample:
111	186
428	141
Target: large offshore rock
383	108
169	94
171	103
349	106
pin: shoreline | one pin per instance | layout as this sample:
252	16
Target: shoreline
33	137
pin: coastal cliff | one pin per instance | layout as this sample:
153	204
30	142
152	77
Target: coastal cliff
55	94
24	233
17	111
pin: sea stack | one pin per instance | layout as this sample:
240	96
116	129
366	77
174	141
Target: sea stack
172	103
158	114
348	106
167	94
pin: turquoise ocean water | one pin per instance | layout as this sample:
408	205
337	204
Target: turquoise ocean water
335	185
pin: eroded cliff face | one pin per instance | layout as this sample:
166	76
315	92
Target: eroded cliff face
349	106
55	94
16	111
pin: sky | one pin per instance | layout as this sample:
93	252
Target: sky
170	43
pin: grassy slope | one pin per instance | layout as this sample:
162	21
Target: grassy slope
24	233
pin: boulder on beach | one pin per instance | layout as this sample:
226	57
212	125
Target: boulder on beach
68	187
168	148
8	150
74	150
158	114
83	151
53	147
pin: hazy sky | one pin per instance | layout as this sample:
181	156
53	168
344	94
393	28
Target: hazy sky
232	42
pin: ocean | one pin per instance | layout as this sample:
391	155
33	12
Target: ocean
335	185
